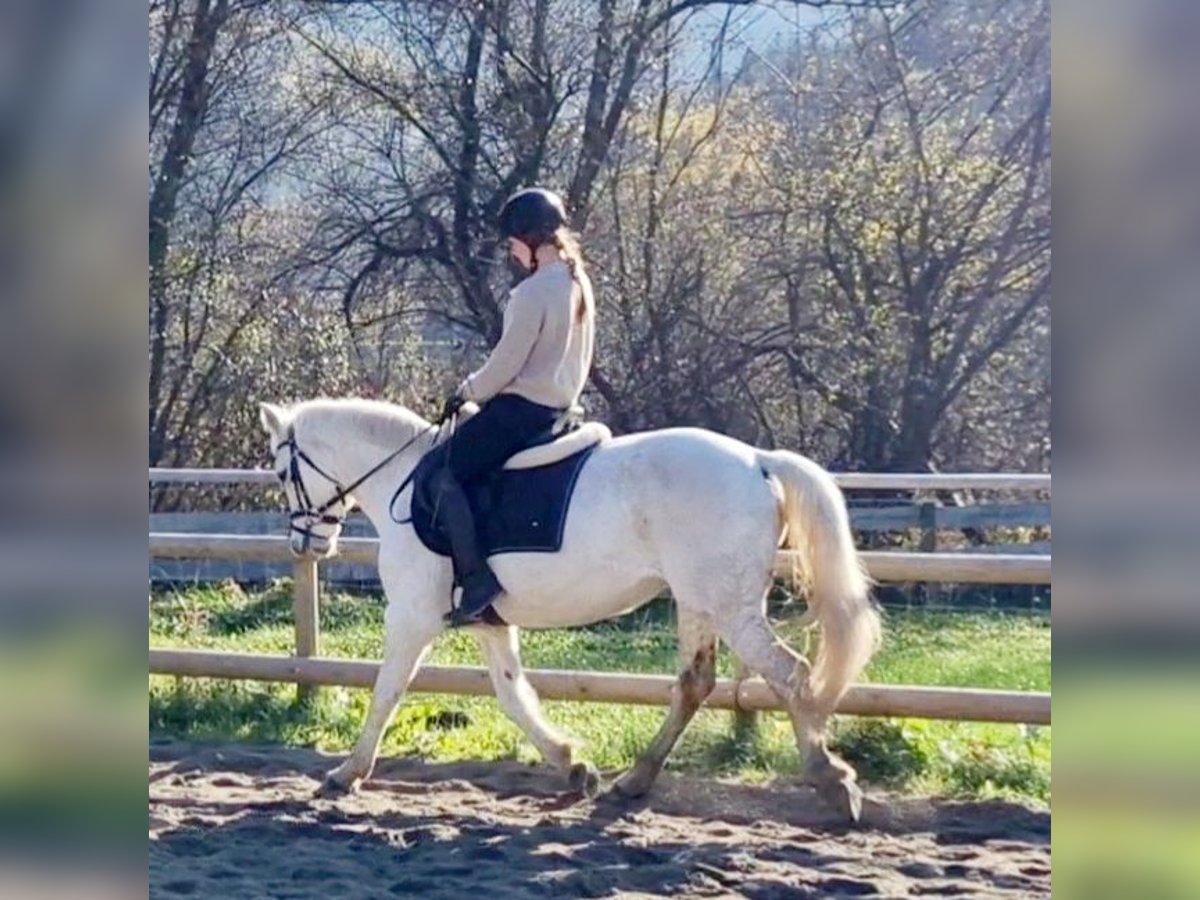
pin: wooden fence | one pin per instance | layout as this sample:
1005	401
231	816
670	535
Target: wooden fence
880	481
742	694
867	516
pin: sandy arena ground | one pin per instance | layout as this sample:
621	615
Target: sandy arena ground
244	821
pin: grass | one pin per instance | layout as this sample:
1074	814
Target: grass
958	649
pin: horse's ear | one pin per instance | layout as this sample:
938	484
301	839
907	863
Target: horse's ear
272	418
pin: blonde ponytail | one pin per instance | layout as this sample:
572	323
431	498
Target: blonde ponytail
568	244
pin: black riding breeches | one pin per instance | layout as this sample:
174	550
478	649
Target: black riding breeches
481	444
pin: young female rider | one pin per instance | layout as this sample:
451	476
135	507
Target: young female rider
533	375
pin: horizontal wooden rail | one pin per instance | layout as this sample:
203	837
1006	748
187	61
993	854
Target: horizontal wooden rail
212	476
950	481
956	568
888	481
270	547
605	687
896	516
950	568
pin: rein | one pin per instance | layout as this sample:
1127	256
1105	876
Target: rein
452	420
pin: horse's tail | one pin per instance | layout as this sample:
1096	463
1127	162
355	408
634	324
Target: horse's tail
827	564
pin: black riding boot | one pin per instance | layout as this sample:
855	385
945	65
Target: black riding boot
480	588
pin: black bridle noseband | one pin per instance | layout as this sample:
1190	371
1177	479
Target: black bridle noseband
310	511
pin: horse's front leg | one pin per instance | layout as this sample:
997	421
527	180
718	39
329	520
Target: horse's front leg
519	700
407	635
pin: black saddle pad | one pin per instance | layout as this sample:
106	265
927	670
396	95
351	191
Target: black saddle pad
516	511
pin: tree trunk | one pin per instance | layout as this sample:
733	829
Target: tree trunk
190	110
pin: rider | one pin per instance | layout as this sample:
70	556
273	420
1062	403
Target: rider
534	374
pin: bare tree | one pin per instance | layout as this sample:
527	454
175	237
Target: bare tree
840	246
925	244
224	123
476	102
180	82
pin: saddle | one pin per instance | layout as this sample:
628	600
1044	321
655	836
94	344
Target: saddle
522	508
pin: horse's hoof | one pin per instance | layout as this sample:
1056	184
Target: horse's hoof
584	779
633	784
844	797
329	789
336	785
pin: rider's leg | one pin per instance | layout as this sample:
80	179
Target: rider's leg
480	588
479	446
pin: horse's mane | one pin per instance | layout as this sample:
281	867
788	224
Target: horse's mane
376	421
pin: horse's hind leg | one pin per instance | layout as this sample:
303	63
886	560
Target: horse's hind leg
698	655
519	700
751	637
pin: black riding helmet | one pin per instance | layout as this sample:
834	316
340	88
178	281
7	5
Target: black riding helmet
532	216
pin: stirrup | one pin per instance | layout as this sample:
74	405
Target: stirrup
469	610
458	618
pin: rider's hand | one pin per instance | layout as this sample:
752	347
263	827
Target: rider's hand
453	405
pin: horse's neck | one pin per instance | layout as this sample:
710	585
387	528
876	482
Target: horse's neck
352	455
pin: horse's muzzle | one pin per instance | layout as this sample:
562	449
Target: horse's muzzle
305	545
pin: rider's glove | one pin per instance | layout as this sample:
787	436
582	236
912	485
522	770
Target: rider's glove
453	405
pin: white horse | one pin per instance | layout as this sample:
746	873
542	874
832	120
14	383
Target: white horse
686	509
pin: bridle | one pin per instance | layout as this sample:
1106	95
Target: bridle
311	512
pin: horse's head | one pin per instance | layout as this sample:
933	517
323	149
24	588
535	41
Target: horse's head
317	503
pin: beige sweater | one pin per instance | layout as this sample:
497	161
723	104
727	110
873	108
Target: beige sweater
544	353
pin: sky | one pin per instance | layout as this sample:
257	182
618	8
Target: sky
758	26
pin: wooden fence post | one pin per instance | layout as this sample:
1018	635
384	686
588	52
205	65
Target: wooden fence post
927	518
306	612
928	521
